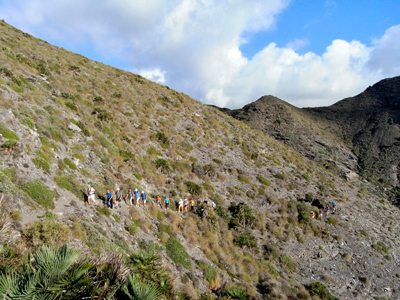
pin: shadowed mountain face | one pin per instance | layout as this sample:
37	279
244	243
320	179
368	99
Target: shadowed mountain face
370	121
359	134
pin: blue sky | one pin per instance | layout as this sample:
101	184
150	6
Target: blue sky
229	53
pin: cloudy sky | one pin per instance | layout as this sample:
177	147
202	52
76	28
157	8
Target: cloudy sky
229	52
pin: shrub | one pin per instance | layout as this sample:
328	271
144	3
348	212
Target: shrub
48	232
162	139
98	99
178	253
241	214
71	105
220	211
246	240
162	164
303	213
40	193
193	188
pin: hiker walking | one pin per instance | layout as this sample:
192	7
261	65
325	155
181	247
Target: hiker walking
321	214
166	202
333	207
109	199
118	198
129	197
144	198
191	205
137	197
90	195
180	205
158	201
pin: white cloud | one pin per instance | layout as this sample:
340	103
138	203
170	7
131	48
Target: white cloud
384	60
193	46
155	75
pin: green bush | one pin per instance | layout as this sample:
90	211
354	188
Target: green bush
162	139
178	253
40	193
246	240
193	188
48	232
220	211
242	214
162	164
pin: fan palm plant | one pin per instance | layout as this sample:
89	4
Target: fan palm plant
49	274
136	290
147	266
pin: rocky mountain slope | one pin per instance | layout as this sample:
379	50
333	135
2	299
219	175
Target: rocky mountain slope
359	134
68	122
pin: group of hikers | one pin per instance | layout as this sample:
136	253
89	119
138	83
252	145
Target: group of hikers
114	199
327	210
137	198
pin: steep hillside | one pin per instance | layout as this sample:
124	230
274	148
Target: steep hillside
68	122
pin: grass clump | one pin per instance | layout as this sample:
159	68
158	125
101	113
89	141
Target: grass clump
288	264
7	133
332	221
177	253
40	193
69	183
320	290
381	248
263	180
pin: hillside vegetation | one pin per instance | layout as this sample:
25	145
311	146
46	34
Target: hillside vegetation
68	122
